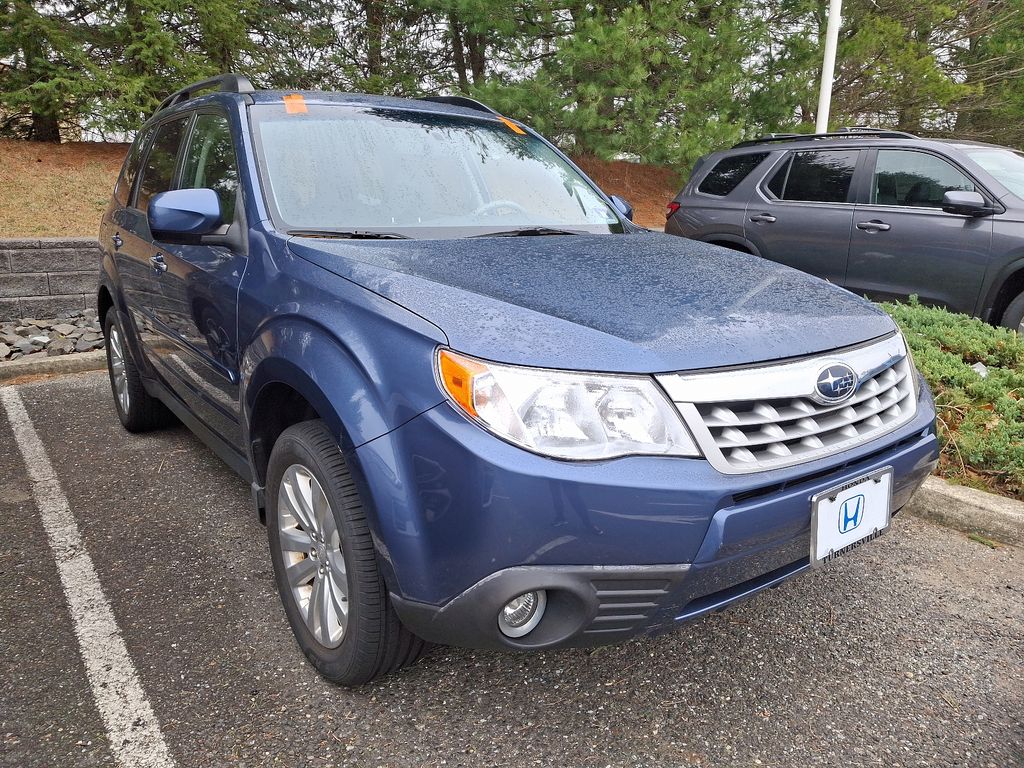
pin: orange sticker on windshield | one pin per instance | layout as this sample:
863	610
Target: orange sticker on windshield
515	128
294	104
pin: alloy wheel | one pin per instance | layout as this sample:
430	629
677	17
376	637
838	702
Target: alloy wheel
313	558
118	373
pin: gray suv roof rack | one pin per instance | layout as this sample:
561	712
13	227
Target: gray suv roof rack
842	133
460	101
228	83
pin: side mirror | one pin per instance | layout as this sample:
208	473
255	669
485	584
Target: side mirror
965	203
184	215
622	206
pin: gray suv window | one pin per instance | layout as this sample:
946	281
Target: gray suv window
1006	165
729	172
820	176
914	179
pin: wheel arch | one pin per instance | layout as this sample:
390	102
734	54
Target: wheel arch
1007	287
302	368
104	302
733	242
281	393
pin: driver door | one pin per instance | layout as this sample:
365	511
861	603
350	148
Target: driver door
903	243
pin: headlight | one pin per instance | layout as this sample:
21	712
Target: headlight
566	414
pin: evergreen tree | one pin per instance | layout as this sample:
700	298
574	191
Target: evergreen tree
47	75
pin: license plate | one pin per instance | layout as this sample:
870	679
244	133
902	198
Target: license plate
844	517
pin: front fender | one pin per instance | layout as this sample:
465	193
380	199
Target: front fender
360	392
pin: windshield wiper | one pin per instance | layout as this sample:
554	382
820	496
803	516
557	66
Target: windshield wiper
531	232
348	234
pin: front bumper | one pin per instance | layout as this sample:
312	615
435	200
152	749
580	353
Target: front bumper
465	523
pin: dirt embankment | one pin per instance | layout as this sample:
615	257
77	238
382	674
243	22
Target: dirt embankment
648	188
49	190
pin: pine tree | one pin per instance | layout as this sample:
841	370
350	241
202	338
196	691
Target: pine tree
47	76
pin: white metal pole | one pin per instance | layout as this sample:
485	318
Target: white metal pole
828	65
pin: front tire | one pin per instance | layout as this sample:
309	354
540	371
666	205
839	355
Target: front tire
325	564
1013	317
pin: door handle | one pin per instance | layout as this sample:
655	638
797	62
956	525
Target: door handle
159	265
762	218
873	226
118	242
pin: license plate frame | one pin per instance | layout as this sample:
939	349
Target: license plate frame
828	505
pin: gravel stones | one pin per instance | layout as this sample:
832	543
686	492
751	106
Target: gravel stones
71	332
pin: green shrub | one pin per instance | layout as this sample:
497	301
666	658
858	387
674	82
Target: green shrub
980	420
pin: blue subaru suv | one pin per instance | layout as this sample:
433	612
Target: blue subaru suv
477	405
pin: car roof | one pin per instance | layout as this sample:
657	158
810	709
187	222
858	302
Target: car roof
447	105
853	139
372	100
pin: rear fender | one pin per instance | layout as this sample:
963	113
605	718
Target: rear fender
726	241
109	280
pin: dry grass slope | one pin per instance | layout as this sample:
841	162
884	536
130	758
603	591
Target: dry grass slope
48	190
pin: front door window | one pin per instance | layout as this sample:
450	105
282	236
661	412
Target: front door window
914	179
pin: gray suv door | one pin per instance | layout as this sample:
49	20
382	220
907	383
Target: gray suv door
803	214
904	243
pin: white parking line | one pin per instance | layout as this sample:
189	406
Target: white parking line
132	728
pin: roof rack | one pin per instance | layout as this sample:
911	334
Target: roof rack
842	133
460	101
228	83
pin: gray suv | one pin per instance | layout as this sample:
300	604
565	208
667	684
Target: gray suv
882	213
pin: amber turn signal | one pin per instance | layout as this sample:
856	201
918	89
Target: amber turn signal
457	373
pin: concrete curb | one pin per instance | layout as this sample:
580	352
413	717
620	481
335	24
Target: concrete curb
59	364
967	509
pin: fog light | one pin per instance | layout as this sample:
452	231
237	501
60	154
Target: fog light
520	615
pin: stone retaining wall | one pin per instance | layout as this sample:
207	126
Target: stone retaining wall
44	277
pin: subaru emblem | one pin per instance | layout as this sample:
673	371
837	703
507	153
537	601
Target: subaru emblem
836	383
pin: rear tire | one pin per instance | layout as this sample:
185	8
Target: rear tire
136	408
1013	316
325	564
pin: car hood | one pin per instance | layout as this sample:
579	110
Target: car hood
643	303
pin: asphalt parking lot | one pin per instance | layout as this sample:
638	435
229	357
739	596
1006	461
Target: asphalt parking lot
909	652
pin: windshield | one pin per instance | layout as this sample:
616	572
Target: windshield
354	169
1005	165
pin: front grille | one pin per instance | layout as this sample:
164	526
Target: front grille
763	418
757	432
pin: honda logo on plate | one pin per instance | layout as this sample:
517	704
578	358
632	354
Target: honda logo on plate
851	512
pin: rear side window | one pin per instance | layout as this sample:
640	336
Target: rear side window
914	179
210	162
158	171
729	172
816	177
130	170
